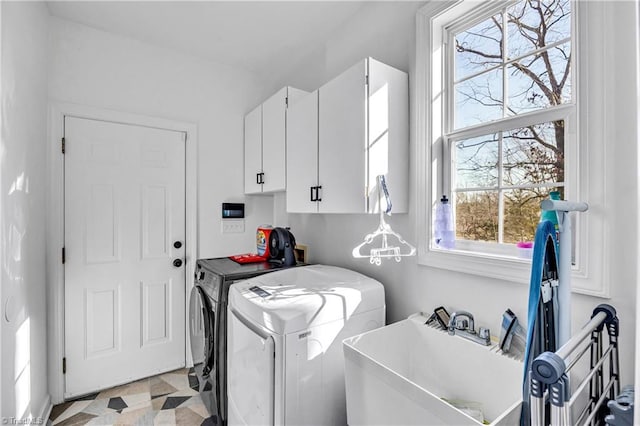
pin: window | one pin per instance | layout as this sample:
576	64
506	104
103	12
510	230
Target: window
509	71
501	123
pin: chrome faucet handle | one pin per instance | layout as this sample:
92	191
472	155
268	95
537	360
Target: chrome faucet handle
484	333
457	322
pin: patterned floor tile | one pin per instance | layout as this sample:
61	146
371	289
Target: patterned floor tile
136	404
173	402
165	417
59	409
107	419
117	403
137	399
157	403
193	381
199	408
185	392
77	419
99	407
130	388
146	419
145	404
192	400
160	387
87	397
209	421
185	416
75	408
131	417
178	381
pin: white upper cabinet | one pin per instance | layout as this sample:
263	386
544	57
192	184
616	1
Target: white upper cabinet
360	124
302	154
253	151
265	143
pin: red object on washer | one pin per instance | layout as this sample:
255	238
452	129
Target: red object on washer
247	258
262	240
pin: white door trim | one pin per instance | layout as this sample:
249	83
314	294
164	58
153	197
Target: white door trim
55	222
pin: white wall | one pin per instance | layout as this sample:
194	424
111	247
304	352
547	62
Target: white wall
96	68
23	374
386	31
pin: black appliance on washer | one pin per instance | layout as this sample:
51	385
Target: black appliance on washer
208	325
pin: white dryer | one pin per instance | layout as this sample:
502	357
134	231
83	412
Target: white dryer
284	343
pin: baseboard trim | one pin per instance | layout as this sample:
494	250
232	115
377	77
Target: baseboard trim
45	410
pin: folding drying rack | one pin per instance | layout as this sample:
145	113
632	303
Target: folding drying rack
551	399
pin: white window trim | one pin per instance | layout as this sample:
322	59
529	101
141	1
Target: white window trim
593	123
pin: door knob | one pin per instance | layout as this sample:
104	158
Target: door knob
177	244
177	263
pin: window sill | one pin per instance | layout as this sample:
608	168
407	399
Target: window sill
507	268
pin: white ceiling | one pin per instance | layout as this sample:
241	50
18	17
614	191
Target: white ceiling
262	37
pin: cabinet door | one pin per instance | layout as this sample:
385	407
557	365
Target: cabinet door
302	154
273	142
388	144
342	142
253	151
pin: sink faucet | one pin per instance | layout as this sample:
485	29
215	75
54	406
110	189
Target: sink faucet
462	324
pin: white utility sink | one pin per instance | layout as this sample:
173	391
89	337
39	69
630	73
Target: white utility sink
401	374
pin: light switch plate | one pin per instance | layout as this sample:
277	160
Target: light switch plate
232	226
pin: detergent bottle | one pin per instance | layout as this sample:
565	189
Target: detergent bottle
551	216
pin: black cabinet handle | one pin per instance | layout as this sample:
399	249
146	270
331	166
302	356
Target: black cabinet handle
258	178
318	188
177	263
177	244
311	188
262	177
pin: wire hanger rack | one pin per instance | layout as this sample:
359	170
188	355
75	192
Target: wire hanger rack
391	244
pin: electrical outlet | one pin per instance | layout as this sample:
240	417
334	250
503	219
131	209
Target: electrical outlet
232	226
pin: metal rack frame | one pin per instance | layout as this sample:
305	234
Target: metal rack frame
551	400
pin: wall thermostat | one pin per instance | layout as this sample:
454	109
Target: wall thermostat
233	210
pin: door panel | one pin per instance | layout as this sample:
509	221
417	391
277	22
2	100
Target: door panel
342	142
156	312
156	211
102	321
124	207
302	154
102	230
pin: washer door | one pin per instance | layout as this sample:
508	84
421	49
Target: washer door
250	375
202	326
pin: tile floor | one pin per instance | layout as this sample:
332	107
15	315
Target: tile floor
166	399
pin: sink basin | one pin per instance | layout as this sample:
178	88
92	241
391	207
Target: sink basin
407	373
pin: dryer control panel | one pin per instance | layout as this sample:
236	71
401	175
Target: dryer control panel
209	282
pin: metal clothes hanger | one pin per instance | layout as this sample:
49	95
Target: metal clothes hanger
400	248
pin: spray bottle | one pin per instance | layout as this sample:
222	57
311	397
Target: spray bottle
443	233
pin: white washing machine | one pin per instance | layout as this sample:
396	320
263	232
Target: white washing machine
284	343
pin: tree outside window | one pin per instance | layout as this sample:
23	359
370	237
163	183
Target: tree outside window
515	62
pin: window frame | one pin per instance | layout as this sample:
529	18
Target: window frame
434	164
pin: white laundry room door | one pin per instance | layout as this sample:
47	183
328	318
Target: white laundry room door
124	231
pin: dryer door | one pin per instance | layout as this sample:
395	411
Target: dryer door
250	375
201	325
